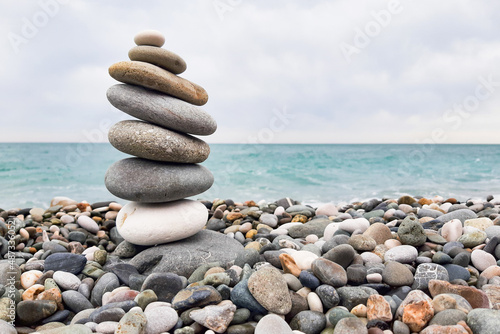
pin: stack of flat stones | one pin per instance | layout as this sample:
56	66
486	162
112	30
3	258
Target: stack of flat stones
164	169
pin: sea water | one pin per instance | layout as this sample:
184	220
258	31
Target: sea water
33	173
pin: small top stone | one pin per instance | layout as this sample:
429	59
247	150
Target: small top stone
150	37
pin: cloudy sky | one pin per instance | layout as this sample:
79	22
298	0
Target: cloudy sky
276	72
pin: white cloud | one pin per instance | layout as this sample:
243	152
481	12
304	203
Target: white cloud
261	56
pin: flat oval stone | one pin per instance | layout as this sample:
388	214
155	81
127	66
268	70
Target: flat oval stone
270	289
32	311
72	263
161	109
150	37
165	285
75	301
146	181
159	57
158	223
154	77
204	247
149	141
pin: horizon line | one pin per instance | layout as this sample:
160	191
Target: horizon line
284	143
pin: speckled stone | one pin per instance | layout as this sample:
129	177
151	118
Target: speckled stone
270	289
149	141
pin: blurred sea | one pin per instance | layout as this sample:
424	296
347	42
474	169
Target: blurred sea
32	173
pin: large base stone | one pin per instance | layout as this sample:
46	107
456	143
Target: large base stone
184	256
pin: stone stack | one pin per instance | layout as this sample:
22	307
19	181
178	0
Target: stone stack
165	168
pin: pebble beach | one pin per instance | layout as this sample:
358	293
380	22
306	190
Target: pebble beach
404	265
162	262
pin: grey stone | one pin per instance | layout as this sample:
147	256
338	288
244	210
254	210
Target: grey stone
328	295
164	285
448	317
457	272
315	226
75	301
142	180
161	109
352	296
9	271
309	322
460	214
484	321
329	272
248	255
350	325
7	328
111	314
338	313
149	141
125	250
54	247
123	271
184	256
429	213
107	283
342	254
411	232
72	263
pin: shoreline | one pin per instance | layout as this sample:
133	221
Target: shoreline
375	265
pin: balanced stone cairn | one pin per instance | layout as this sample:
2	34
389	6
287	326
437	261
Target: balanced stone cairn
164	170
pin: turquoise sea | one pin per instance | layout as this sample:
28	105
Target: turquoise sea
32	173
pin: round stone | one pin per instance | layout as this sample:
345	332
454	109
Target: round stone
308	322
150	37
482	260
32	311
482	320
329	272
402	254
379	232
160	320
161	109
411	232
397	274
272	323
159	57
149	141
157	223
328	295
156	78
142	180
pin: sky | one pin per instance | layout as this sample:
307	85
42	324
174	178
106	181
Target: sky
364	71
